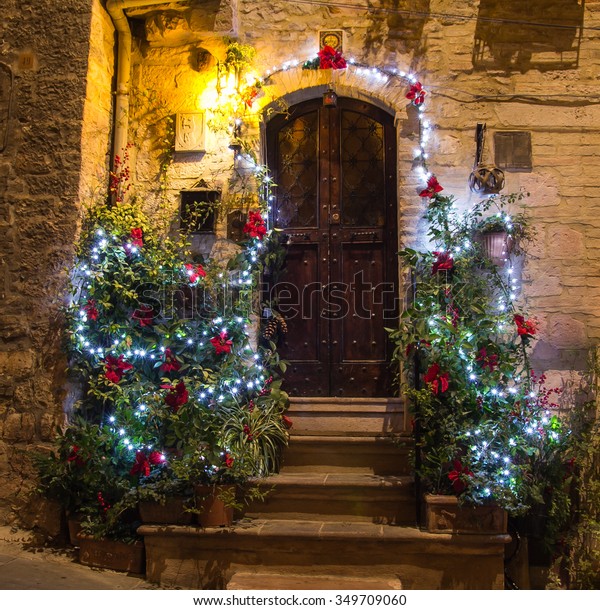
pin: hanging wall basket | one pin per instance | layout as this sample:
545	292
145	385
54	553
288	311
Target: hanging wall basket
486	180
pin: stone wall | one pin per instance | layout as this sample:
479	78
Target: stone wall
46	44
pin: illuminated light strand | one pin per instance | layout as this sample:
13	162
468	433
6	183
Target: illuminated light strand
382	77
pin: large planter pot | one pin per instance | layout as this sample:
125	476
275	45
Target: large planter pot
112	554
210	501
445	515
172	511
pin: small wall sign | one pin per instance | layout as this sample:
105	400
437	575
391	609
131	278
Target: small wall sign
189	132
333	39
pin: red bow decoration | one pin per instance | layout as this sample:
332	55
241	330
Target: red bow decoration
329	58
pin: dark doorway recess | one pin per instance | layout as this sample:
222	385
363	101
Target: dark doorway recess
335	200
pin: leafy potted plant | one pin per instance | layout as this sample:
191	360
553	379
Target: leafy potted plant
85	461
500	234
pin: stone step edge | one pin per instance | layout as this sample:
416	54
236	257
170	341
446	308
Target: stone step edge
328	531
256	580
385	482
377	438
359	400
349	410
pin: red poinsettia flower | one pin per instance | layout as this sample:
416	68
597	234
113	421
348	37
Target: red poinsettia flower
457	475
156	457
255	227
433	187
91	310
221	344
416	94
489	361
115	367
145	315
329	58
443	262
75	457
141	465
170	363
287	422
137	237
177	396
525	328
438	381
228	460
195	272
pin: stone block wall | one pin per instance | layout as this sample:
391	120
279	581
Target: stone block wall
46	44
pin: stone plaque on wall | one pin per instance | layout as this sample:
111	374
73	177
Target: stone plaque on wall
189	132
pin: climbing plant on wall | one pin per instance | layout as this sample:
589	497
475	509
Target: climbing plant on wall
484	422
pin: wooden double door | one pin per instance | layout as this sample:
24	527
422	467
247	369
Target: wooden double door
335	202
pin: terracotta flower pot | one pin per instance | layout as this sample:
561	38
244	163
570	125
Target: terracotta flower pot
112	554
172	511
445	515
210	501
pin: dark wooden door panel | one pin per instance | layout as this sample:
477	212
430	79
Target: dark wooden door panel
336	201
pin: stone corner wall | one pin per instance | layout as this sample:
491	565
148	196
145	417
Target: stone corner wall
47	46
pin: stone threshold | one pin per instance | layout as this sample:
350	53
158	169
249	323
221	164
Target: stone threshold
331	531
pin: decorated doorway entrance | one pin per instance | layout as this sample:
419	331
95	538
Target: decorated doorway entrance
335	201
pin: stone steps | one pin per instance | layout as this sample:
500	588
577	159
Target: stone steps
192	557
338	497
339	517
373	454
347	416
